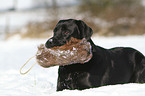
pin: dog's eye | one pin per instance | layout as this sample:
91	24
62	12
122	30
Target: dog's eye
66	33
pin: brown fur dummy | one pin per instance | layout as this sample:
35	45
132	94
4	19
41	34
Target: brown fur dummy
74	51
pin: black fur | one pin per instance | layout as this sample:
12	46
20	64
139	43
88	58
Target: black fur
107	66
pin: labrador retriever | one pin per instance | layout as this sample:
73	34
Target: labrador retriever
118	65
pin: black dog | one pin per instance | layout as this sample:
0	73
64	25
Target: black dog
107	66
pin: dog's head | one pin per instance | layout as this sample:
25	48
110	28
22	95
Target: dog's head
65	29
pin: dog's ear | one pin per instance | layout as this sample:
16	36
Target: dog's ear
84	30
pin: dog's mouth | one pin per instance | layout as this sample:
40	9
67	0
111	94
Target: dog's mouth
74	51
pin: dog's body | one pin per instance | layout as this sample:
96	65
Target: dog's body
107	66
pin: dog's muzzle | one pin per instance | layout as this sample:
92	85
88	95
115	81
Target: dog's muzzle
52	42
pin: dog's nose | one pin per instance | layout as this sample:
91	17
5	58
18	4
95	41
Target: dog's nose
49	43
50	40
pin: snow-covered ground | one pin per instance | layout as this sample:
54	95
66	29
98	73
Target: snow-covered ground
42	81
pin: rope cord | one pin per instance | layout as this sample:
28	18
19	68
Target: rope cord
23	73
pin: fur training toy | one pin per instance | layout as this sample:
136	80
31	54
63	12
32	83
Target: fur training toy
74	51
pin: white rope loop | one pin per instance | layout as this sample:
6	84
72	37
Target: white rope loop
23	73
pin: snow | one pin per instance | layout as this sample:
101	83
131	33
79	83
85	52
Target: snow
30	11
6	4
43	81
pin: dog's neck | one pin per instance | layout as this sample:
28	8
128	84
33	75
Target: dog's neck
92	44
